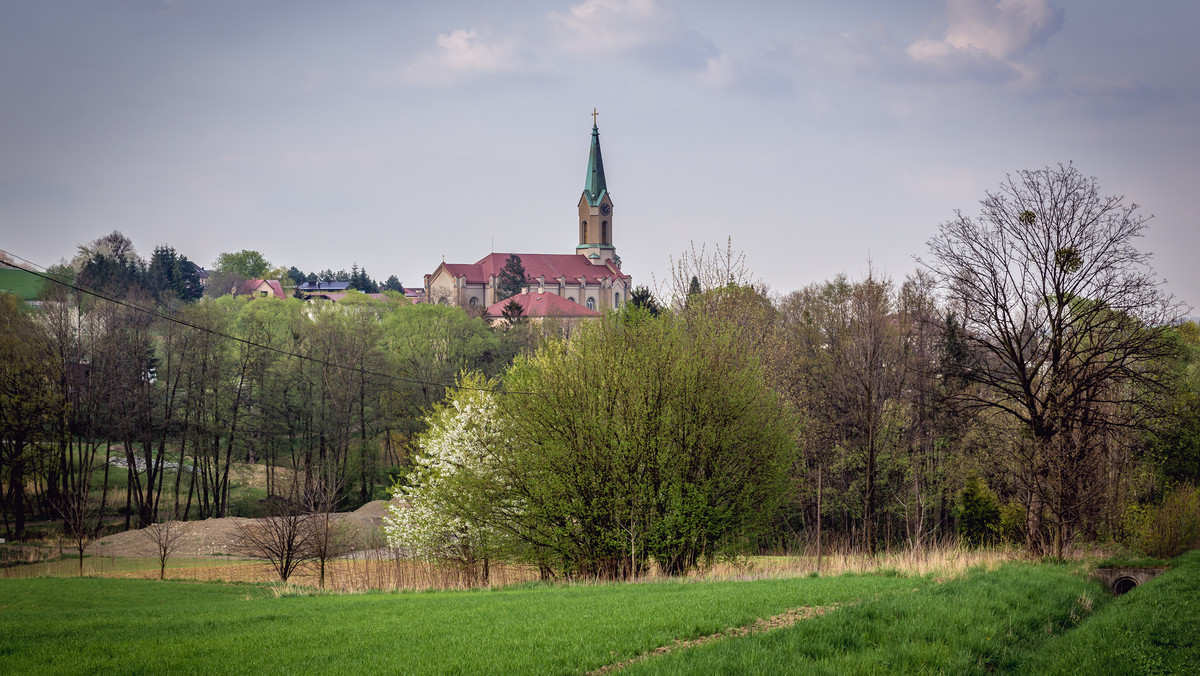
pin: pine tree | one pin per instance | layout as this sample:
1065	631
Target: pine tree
512	278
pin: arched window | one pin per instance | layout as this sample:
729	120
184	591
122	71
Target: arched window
604	232
473	301
617	299
591	303
583	232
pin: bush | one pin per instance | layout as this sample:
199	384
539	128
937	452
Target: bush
979	513
1174	526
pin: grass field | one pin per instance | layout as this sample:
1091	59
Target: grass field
135	626
1015	618
19	282
986	622
1154	629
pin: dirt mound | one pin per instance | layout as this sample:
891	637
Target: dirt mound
218	537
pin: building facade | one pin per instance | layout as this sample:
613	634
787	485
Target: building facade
591	276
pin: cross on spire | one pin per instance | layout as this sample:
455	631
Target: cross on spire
594	114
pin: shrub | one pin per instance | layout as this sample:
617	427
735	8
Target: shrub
1174	526
979	513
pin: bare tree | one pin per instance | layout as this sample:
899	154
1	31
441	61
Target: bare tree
326	536
81	520
697	271
167	537
1064	327
280	538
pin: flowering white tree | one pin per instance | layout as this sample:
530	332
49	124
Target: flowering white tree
442	513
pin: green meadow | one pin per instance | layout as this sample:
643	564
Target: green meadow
1017	618
139	626
19	282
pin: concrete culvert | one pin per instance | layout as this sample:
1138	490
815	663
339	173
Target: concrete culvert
1124	585
1124	580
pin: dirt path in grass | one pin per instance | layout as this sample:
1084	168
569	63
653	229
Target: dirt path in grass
785	619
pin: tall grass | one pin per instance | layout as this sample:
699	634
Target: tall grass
376	567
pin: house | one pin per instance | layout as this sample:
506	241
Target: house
591	276
260	288
322	287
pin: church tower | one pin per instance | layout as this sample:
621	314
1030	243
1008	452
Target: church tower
595	209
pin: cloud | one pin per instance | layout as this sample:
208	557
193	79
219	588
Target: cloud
719	72
459	55
986	39
614	26
646	30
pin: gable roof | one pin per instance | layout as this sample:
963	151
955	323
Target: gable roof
542	305
551	266
251	285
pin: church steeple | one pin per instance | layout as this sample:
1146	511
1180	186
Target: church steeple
594	184
596	208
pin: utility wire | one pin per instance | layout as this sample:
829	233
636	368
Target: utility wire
220	334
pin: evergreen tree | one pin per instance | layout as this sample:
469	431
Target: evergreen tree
512	278
641	297
393	284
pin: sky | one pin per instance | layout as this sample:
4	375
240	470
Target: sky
822	137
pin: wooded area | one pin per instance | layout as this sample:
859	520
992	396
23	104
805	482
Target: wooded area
1028	383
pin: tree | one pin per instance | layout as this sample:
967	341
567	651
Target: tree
656	439
446	510
513	312
511	279
326	536
172	275
28	401
167	538
280	538
393	284
642	297
109	264
1065	329
246	263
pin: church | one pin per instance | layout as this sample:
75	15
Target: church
590	278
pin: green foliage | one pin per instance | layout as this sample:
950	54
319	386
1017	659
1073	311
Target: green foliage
641	297
649	438
978	514
1154	629
360	280
23	284
1173	527
511	279
990	621
393	284
245	263
512	312
171	275
52	626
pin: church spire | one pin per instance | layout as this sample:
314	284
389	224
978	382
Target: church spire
593	185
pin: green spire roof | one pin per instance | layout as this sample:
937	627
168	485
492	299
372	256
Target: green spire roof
593	185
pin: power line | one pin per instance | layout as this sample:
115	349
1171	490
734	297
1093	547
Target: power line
220	334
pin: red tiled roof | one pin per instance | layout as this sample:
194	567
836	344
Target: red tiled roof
542	305
552	266
276	288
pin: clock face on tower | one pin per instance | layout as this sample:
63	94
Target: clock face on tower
605	209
